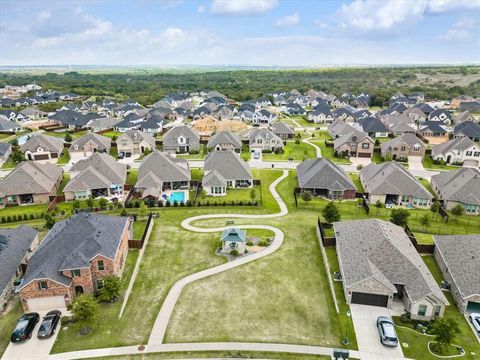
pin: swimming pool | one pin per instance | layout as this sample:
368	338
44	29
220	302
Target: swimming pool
178	196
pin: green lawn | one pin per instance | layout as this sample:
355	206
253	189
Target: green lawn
245	155
24	209
138	229
301	120
428	164
114	151
233	195
112	134
65	180
9	164
427	185
197	174
8	321
417	343
200	156
297	152
64	158
327	152
132	177
220	354
356	181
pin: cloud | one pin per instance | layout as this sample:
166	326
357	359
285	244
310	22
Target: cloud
463	30
289	20
242	7
169	4
442	6
201	9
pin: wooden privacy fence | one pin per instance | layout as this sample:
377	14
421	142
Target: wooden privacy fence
138	244
421	248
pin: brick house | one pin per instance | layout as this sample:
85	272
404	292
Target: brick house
403	146
357	144
74	257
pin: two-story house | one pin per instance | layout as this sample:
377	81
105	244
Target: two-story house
181	139
135	142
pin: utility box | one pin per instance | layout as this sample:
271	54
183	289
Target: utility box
339	354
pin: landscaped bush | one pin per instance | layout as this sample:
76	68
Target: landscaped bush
167	203
249	243
263	243
9	219
234	252
175	203
194	152
266	151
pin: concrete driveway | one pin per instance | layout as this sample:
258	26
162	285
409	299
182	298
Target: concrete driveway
33	349
415	167
364	319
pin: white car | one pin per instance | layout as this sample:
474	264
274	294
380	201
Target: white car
475	320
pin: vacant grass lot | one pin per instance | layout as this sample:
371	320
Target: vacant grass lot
297	152
327	152
417	343
300	120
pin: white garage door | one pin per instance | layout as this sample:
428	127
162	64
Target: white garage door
46	303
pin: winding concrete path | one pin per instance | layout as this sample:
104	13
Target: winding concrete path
317	148
157	336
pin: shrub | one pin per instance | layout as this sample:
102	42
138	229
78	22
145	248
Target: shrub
4	220
25	217
124	212
189	203
182	204
9	219
399	217
167	203
111	289
330	213
263	243
175	203
234	252
14	218
249	243
160	203
194	152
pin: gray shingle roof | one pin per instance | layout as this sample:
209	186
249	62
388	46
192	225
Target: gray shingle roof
72	243
409	139
14	244
459	185
228	164
170	140
104	164
48	143
280	128
214	178
263	133
391	178
159	167
451	145
321	173
380	249
137	136
461	254
351	137
467	128
4	148
225	137
102	142
7	125
31	178
340	128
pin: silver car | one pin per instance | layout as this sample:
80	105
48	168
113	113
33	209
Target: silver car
386	330
475	320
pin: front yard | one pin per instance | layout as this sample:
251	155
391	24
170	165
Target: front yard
297	152
429	165
7	324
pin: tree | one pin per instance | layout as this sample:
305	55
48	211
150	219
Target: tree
435	207
76	204
142	209
425	221
399	217
445	330
68	137
90	202
458	210
306	196
331	213
15	142
297	141
111	289
49	221
84	310
103	203
17	156
252	194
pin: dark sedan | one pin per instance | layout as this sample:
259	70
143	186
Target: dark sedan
25	326
49	324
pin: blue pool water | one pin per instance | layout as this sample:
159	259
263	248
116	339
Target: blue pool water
178	196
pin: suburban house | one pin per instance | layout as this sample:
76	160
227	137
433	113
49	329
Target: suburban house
390	183
7	126
225	140
16	245
339	128
263	116
380	267
467	129
433	129
324	178
30	183
75	256
459	150
99	175
135	142
372	126
32	113
441	115
464	116
402	147
344	114
460	186
88	144
283	131
5	152
233	240
264	139
42	148
458	257
163	176
357	144
181	139
321	115
224	170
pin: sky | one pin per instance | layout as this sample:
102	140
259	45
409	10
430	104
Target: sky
239	32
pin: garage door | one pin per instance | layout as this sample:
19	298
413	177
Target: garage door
369	299
473	307
41	157
363	155
46	303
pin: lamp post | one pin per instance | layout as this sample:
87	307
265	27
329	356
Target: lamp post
345	339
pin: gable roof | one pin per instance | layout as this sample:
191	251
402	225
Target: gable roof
4	148
340	127
31	178
434	126
461	185
214	178
102	142
382	250
159	167
6	125
171	136
225	137
321	173
372	124
354	136
228	164
14	245
48	143
461	254
282	128
72	243
458	144
407	138
234	235
467	128
137	135
391	178
103	163
263	133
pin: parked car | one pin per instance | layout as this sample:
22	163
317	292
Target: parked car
256	155
121	155
24	328
386	330
49	324
475	320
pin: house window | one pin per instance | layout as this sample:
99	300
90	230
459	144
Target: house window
403	148
75	273
42	285
422	310
436	310
365	145
100	265
99	284
476	153
469	153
